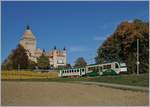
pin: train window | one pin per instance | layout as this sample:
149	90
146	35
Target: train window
82	69
77	70
100	68
105	66
116	65
97	68
108	66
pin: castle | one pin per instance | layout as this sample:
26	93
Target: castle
56	57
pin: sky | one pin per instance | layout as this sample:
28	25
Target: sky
81	27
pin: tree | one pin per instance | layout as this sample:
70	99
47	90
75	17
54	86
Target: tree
19	58
68	66
32	64
7	63
121	46
80	62
43	61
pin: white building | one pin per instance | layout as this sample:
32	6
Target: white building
56	57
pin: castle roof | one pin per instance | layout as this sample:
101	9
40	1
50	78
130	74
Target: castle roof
28	33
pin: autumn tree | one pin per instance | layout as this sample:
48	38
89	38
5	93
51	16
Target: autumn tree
68	66
32	64
121	46
80	62
20	58
7	63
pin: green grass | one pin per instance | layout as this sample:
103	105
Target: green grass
134	80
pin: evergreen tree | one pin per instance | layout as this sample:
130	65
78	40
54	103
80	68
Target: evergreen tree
43	61
32	64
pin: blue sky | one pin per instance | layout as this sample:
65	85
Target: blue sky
79	26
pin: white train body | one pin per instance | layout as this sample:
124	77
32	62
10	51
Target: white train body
99	69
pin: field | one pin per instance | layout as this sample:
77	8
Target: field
132	79
67	94
27	88
13	75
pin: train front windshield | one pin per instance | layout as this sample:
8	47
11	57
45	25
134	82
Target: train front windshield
123	67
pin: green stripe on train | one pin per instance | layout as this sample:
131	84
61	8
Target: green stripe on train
92	74
106	72
109	72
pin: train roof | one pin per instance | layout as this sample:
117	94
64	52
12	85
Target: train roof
71	68
102	63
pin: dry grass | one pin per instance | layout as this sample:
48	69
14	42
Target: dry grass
7	75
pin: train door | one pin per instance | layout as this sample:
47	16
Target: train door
100	70
117	68
80	70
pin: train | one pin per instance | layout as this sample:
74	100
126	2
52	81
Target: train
113	68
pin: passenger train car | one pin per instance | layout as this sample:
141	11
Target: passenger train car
113	68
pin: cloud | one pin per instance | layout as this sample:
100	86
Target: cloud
78	49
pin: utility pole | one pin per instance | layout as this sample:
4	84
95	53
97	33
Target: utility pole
138	57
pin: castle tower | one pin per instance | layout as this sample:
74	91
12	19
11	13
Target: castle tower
65	55
28	41
59	57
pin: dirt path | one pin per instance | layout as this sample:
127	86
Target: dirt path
53	93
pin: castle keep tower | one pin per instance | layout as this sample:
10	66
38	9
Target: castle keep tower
29	43
28	40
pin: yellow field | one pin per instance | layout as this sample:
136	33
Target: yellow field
27	75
